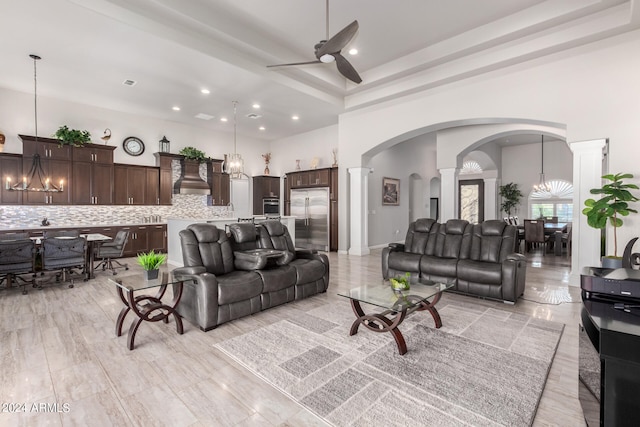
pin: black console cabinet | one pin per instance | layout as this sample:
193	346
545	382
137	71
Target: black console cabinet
615	336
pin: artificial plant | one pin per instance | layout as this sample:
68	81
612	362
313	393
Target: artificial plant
511	196
74	137
192	153
612	205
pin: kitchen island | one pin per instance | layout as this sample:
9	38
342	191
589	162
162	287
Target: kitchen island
175	225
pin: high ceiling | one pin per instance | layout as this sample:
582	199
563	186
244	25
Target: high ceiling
174	48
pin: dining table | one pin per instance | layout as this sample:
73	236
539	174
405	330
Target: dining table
555	229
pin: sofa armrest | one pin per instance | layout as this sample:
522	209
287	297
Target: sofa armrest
305	253
199	301
396	247
514	269
180	272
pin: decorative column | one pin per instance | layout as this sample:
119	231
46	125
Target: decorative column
359	205
490	198
587	173
448	194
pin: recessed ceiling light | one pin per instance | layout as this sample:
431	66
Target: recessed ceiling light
256	106
203	116
129	82
205	91
223	119
353	51
262	128
176	108
295	118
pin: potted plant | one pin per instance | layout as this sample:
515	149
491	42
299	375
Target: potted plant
192	153
151	263
74	137
613	205
401	283
511	196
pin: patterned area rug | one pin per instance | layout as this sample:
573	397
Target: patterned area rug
484	367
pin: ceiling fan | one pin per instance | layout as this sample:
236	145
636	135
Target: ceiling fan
328	51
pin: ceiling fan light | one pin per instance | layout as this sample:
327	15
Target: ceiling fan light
327	58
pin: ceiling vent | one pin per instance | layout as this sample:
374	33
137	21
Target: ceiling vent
253	116
129	82
203	116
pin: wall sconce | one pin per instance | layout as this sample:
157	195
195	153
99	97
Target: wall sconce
164	145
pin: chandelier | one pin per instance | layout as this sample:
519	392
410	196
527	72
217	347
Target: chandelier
542	185
36	174
233	163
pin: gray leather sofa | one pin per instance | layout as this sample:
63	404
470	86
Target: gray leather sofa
234	275
479	259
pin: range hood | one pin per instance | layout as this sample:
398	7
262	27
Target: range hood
190	181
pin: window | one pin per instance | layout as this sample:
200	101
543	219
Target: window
557	202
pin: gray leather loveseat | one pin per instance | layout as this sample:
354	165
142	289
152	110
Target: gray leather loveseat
479	259
233	277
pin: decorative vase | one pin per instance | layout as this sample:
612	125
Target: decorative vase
151	274
297	165
266	169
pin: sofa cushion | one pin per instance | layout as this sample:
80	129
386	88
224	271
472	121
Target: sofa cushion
404	261
436	266
238	286
206	245
243	236
307	270
274	235
450	238
275	279
419	235
480	272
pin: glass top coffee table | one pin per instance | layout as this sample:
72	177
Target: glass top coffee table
396	305
148	308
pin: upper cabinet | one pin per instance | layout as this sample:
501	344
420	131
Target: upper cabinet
135	185
55	163
220	183
310	178
92	175
264	187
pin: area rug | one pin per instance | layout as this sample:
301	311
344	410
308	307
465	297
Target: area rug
484	367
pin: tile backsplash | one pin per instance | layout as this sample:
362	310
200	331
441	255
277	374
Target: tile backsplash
184	206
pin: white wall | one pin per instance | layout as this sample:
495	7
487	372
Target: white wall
304	147
16	113
594	90
418	156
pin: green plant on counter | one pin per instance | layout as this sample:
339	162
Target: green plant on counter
74	137
192	153
151	260
613	205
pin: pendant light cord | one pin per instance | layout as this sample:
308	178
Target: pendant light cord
35	91
235	103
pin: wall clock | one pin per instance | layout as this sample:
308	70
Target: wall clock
133	146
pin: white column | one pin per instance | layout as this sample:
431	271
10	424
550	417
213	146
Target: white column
490	198
587	172
448	194
359	205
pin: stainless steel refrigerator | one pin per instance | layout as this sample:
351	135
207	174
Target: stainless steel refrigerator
310	207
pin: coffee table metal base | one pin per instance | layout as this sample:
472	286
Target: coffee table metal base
389	320
149	309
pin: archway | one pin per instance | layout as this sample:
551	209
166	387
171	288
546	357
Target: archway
416	197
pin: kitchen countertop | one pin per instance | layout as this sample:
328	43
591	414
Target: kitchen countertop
60	226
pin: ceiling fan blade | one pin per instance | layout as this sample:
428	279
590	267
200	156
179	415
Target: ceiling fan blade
339	41
346	69
294	63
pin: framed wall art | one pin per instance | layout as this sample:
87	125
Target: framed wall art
390	191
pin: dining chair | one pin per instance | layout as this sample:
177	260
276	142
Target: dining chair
566	239
534	234
17	258
110	251
65	257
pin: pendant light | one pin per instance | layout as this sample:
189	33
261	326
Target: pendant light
35	179
234	165
542	185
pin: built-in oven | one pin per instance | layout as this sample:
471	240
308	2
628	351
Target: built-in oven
270	205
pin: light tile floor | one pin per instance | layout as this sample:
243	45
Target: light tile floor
58	348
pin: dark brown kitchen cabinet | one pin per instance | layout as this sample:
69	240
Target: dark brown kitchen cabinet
298	179
220	189
92	183
333	210
135	185
319	177
264	187
144	238
10	168
152	189
165	188
55	161
93	153
157	238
